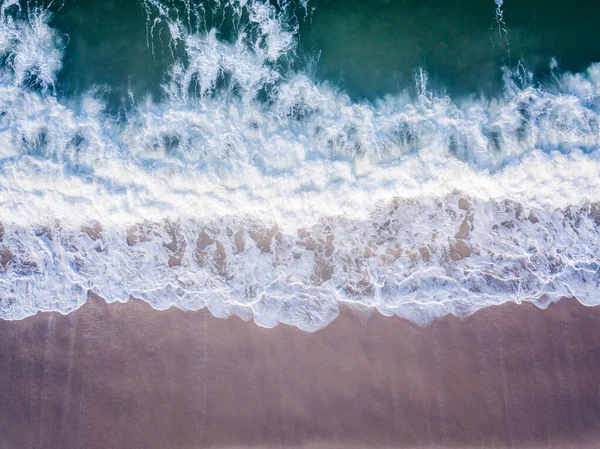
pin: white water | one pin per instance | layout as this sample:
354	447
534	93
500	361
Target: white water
281	210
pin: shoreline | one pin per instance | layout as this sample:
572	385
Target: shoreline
126	375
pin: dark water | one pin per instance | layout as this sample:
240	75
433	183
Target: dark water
374	47
368	48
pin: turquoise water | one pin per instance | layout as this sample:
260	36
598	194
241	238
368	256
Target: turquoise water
374	47
368	48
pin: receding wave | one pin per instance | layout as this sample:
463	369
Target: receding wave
252	189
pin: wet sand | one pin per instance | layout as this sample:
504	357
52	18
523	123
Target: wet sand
127	376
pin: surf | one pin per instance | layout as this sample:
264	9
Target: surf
250	187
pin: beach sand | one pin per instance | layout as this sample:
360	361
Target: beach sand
127	376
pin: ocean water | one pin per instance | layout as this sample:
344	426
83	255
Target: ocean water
275	160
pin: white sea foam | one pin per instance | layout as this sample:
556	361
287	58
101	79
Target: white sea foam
281	209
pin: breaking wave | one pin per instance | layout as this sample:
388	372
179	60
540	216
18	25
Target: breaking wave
251	188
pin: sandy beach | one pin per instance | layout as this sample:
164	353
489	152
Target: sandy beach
128	376
332	224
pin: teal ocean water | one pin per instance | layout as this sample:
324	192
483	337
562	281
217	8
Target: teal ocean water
276	159
368	49
375	47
